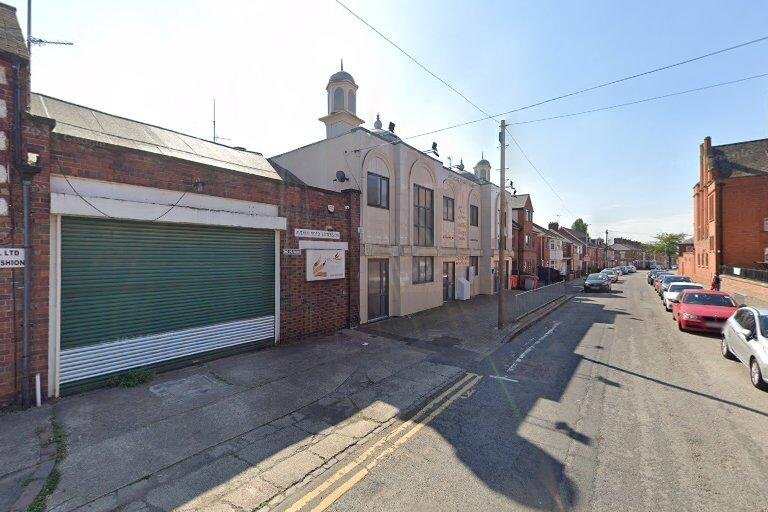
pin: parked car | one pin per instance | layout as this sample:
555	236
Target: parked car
745	337
658	278
614	276
666	280
619	270
672	294
599	282
632	269
703	310
652	274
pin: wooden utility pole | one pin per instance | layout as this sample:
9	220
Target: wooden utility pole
502	221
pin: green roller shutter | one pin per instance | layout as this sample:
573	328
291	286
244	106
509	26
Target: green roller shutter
123	280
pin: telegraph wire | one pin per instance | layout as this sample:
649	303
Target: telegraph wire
489	117
549	100
644	100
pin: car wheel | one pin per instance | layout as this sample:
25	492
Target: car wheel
725	351
755	375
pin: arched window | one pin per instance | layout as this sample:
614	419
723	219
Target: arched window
338	99
351	101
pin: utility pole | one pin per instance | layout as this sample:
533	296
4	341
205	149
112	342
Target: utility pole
606	248
502	220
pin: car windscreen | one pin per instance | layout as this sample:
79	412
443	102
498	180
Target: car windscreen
708	299
669	279
680	287
595	277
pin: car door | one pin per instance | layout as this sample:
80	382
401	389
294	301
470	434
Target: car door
739	346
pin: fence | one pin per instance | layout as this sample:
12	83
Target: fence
523	303
747	273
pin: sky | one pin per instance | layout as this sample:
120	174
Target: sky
629	170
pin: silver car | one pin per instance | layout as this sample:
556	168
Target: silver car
745	337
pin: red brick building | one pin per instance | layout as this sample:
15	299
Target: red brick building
730	204
526	256
149	247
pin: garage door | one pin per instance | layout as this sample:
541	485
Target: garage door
140	293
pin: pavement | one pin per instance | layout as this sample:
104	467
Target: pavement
242	432
602	405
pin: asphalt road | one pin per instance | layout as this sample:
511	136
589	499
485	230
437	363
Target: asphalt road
604	405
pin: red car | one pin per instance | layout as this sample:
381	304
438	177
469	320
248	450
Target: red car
703	310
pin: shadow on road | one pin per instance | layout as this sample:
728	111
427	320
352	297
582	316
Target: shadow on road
497	436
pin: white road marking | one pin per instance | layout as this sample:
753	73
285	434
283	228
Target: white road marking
531	347
503	378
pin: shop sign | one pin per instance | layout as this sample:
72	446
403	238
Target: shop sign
316	233
325	264
11	257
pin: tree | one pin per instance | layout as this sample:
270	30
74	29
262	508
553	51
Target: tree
580	226
666	243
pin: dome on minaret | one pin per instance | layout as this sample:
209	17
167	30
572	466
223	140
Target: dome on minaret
483	169
342	104
341	76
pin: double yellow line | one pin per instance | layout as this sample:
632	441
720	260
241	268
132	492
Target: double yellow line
392	441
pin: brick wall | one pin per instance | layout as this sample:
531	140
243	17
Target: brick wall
310	308
754	293
745	207
318	307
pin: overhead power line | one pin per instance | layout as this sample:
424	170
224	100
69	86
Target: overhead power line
644	100
464	96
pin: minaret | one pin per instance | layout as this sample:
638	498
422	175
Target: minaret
483	169
342	104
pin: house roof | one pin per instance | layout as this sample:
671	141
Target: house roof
11	37
574	235
741	159
621	247
519	201
546	231
89	124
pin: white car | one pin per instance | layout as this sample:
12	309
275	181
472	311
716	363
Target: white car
674	290
745	337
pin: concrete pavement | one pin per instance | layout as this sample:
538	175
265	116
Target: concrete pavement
604	405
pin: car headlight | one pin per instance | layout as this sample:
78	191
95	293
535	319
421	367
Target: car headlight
689	316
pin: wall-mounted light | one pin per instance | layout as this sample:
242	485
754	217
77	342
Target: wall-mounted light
32	159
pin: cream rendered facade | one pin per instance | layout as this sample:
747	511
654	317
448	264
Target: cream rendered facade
388	233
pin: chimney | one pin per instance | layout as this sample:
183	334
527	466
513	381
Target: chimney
554	226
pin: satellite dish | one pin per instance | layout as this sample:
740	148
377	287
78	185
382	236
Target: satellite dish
341	177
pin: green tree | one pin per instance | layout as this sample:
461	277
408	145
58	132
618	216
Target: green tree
580	226
666	243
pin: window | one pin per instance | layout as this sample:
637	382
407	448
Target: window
378	191
448	208
338	99
423	216
527	240
474	215
351	103
529	215
423	269
474	262
551	246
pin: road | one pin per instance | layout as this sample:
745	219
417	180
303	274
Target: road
604	405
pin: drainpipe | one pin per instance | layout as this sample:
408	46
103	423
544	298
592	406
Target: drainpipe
718	226
27	174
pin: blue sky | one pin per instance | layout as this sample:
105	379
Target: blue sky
629	170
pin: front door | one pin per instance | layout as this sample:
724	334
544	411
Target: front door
378	289
449	281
